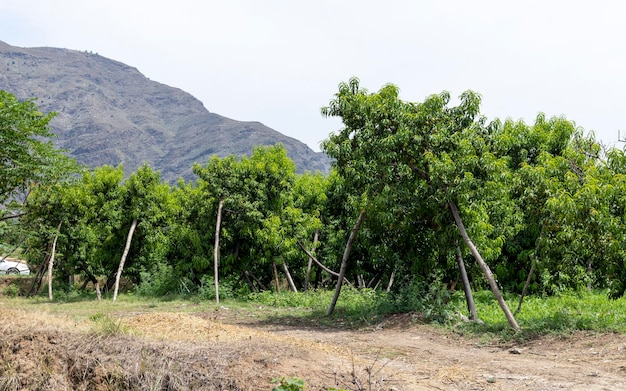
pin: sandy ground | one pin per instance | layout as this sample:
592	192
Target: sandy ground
219	351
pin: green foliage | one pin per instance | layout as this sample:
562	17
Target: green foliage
562	313
11	290
544	194
228	289
27	159
162	280
289	384
429	298
353	301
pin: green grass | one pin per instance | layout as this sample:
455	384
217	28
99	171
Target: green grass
355	308
566	313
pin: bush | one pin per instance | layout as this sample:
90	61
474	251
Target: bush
162	280
428	298
227	289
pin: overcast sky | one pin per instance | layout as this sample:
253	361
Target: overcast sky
279	62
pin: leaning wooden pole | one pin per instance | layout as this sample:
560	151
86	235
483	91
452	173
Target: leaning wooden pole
344	262
308	267
216	252
292	285
467	289
51	261
123	260
484	267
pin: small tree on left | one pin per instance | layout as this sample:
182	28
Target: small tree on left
27	156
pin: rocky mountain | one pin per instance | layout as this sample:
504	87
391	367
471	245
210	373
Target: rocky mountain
109	113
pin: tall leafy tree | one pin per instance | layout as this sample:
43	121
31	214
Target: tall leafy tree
147	205
435	156
262	220
309	196
221	179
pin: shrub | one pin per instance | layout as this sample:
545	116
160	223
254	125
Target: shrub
428	298
162	280
227	289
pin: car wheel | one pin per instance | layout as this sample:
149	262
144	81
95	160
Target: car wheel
13	270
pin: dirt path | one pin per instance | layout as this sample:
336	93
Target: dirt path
420	357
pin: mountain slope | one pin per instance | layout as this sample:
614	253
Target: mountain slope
109	113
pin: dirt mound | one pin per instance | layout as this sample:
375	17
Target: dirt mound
60	361
164	351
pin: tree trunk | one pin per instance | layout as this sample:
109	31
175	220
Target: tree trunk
308	267
129	239
360	281
249	281
15	216
98	293
255	279
344	261
484	267
374	281
530	273
216	251
276	277
471	307
317	262
36	285
289	279
525	289
94	281
51	261
391	278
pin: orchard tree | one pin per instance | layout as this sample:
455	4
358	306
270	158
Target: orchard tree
435	156
615	193
88	211
253	203
271	182
536	158
147	207
221	179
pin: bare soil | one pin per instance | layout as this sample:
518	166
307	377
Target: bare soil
225	350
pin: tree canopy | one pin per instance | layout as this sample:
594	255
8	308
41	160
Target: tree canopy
27	156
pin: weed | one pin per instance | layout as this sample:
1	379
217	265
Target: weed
369	379
9	377
207	289
289	384
105	325
11	290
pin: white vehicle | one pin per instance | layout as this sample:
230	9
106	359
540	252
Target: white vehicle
13	266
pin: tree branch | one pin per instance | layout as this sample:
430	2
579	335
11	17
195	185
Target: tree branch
318	263
12	216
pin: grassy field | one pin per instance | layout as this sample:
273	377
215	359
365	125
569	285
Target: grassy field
539	315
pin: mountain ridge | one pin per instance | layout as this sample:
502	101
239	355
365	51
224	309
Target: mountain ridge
110	113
